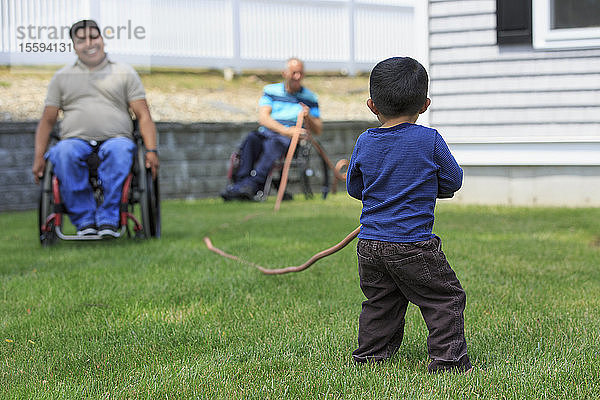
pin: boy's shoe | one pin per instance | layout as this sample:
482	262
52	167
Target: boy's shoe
89	230
108	231
462	366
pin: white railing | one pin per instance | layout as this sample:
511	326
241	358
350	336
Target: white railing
348	35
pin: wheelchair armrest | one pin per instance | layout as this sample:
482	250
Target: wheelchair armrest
54	134
136	129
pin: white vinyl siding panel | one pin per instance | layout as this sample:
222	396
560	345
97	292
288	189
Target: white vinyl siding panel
502	85
462	39
459	7
516	115
485	53
483	93
498	68
516	133
521	154
522	99
462	23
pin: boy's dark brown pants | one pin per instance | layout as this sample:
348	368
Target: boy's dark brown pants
391	276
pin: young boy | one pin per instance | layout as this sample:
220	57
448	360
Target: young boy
397	171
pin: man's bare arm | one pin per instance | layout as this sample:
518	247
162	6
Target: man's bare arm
42	137
148	132
265	119
315	125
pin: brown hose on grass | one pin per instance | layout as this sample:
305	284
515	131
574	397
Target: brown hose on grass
335	168
284	175
280	271
339	166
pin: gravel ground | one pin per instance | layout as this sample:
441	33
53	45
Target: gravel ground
193	96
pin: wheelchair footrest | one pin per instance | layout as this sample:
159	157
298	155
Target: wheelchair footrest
87	237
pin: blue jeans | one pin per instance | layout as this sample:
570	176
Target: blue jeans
259	152
69	159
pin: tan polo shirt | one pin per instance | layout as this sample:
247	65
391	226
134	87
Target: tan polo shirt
95	102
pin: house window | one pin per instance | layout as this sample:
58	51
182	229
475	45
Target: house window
566	24
569	14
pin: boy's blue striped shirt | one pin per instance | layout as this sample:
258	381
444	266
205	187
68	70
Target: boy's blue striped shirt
397	173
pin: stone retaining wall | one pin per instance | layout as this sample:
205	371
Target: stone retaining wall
194	157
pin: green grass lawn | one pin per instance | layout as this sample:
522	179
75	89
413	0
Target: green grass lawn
164	319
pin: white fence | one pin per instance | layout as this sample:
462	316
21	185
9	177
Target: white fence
347	35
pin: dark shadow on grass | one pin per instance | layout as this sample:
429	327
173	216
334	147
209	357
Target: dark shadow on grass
109	242
410	355
410	352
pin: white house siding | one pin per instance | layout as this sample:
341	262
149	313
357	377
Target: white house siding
523	123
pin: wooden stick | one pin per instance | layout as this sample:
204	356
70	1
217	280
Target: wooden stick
288	161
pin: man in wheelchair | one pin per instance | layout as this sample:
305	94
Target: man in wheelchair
279	107
95	96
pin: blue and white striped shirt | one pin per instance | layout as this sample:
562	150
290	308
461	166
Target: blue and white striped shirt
285	106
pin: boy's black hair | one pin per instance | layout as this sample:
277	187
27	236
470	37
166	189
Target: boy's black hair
398	86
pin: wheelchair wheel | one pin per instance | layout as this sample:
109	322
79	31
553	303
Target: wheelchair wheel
149	200
313	172
46	207
308	173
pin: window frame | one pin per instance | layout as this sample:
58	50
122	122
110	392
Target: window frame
546	38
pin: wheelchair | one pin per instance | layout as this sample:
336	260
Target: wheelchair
305	171
140	190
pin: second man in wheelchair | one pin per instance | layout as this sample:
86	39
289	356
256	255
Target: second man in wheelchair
95	95
279	107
